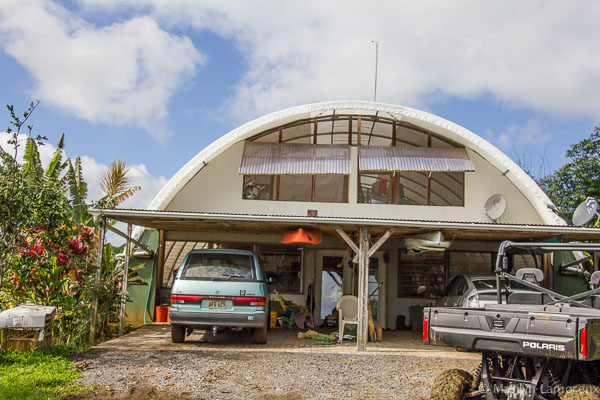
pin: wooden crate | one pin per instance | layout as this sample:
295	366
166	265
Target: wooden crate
25	339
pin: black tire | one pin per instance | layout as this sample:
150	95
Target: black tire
582	392
451	385
259	335
177	333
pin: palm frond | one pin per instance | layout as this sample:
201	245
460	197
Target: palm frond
117	185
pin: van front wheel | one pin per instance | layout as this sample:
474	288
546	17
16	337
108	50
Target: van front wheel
177	333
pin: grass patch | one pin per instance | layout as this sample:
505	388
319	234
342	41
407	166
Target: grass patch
38	374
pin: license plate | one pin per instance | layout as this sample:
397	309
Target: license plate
216	304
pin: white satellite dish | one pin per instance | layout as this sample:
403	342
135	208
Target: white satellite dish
585	211
495	207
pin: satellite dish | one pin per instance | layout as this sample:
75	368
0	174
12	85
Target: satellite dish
251	192
585	211
495	207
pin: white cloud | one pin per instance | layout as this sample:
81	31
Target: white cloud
537	54
93	171
516	136
123	73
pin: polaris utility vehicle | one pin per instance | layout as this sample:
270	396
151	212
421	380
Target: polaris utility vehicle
534	345
219	288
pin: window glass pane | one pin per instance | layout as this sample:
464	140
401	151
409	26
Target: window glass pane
414	187
424	270
206	266
286	268
295	187
331	188
463	262
447	189
259	187
375	188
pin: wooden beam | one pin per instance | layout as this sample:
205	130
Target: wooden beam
125	279
97	276
359	129
160	271
350	131
347	239
316	125
363	290
142	246
380	242
394	133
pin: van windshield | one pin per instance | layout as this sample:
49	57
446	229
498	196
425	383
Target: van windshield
218	266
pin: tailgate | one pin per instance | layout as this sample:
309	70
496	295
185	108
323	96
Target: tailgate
536	334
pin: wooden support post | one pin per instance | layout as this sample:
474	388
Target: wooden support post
359	130
363	290
97	277
160	267
125	279
350	130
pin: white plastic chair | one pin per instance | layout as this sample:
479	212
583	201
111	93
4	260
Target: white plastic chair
347	307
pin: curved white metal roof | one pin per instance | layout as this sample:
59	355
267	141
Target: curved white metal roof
428	121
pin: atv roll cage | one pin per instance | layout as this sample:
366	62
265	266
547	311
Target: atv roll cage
502	274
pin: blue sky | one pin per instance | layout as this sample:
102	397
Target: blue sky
154	82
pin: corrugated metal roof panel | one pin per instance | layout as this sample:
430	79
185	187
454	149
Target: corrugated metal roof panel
389	158
262	158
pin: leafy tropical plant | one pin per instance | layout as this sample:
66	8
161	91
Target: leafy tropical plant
47	237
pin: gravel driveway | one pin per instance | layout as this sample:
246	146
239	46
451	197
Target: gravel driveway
261	375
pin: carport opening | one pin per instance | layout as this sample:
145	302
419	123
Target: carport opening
285	263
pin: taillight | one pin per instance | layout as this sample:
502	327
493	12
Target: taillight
236	300
583	348
425	329
185	299
249	301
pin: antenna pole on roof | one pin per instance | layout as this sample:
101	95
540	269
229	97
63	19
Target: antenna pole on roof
376	59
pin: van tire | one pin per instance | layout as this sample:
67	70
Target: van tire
451	385
177	333
259	335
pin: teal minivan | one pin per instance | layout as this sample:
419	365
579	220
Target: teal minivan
219	288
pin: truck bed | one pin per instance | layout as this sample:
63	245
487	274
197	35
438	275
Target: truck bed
528	330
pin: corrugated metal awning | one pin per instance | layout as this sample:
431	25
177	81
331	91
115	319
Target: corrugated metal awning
261	158
436	159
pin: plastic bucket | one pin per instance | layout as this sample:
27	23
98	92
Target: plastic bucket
161	314
273	321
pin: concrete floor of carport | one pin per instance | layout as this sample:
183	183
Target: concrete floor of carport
157	337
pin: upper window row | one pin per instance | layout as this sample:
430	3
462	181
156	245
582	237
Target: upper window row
306	161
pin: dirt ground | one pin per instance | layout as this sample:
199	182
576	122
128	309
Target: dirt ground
146	365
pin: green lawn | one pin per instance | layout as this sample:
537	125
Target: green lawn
37	374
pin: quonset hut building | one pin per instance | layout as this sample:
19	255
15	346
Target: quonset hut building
419	197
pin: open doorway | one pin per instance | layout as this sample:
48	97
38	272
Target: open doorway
332	284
